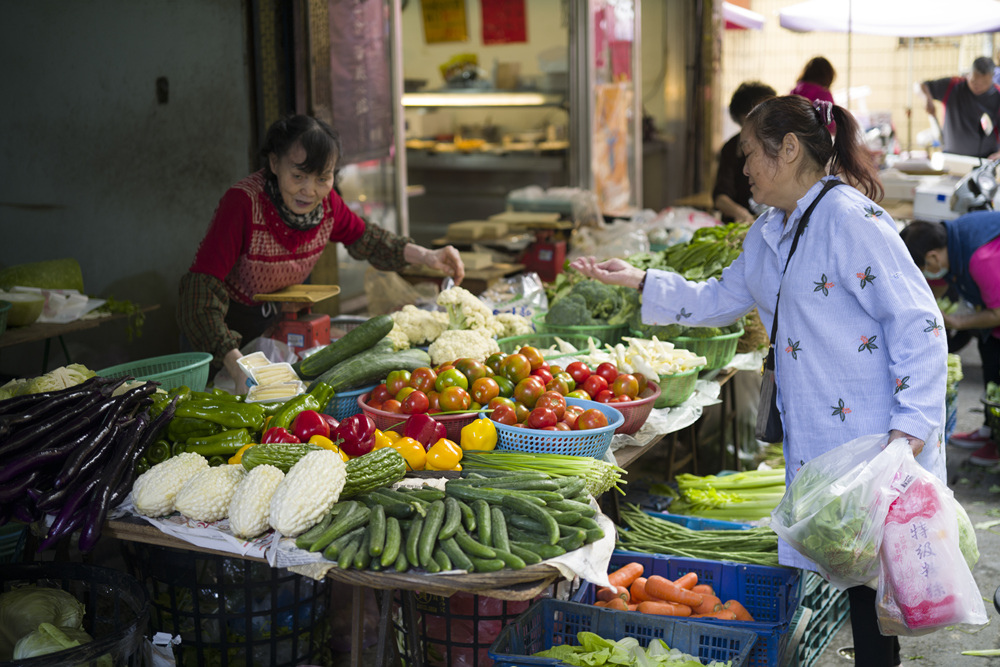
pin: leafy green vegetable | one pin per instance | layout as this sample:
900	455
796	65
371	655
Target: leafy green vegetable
23	609
136	318
594	651
48	638
60	378
592	303
49	274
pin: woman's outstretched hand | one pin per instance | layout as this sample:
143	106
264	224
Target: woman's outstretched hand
611	271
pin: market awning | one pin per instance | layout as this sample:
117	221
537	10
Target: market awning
740	18
894	18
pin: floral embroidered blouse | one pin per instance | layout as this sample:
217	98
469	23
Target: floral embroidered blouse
860	347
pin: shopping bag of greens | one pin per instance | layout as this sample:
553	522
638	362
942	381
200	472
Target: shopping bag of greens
925	582
834	510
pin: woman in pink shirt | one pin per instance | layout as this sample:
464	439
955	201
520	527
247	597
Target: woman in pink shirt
815	81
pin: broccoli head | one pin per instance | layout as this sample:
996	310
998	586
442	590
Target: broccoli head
570	311
602	300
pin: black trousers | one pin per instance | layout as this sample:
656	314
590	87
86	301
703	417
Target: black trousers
871	647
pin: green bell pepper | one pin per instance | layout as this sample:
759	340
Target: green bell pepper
227	413
181	428
225	444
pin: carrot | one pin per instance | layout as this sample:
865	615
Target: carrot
666	590
664	608
637	591
625	575
722	614
704	589
687	581
737	608
601	603
607	594
632	607
618	604
710	604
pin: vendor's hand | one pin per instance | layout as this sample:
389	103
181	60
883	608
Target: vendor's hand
235	371
446	259
612	271
916	444
931	111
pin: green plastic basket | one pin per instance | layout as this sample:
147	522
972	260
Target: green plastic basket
172	370
677	388
610	334
543	341
717	350
5	307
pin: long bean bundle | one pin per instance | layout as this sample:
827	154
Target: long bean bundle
649	534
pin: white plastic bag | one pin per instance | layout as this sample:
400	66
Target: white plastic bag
924	583
523	294
834	510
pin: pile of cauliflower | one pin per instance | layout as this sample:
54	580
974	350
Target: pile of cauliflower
466	327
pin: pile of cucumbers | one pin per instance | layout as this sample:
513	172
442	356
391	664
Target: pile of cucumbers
479	523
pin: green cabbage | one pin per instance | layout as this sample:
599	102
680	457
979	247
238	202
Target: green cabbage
51	639
22	610
60	378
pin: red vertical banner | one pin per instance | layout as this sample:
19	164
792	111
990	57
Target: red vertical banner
504	21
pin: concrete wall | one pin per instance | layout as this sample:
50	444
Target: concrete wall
93	166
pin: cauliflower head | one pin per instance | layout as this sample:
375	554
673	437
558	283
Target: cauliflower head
514	325
416	326
466	311
458	343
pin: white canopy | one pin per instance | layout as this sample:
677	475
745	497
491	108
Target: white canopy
737	17
894	18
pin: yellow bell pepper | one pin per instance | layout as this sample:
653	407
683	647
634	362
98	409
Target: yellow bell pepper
237	458
385	438
443	455
412	451
326	443
479	436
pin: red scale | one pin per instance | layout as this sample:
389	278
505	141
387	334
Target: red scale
302	329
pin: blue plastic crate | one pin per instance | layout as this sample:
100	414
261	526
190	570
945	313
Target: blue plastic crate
770	594
697	523
345	403
551	622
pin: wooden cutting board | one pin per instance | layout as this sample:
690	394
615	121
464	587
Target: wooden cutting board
301	294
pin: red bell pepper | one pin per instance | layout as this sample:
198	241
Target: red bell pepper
330	420
309	423
278	434
356	434
424	429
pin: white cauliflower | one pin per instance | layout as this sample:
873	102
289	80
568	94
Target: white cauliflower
462	343
206	496
416	326
514	325
467	311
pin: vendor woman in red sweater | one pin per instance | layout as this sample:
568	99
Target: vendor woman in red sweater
269	231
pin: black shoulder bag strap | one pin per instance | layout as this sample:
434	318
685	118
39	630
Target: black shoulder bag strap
803	221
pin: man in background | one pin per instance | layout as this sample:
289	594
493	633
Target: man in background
971	110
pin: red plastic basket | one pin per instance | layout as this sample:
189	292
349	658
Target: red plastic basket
386	420
637	412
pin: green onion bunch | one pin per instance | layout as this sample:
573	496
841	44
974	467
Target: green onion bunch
599	475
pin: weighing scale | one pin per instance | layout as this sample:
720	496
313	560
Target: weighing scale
547	253
302	329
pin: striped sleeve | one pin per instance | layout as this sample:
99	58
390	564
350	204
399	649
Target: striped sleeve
380	247
201	315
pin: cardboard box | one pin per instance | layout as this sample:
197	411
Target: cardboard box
477	230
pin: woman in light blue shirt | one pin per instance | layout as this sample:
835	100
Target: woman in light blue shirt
860	345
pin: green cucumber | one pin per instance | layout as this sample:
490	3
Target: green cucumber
401	564
529	557
452	518
483	521
429	532
593	534
346	521
573	540
332	552
510	560
493	496
371	366
486	565
468	516
358	339
377	531
306	539
393	539
426	493
584	509
546	551
498	530
571	486
413	539
362	557
458	558
441	558
346	559
473	548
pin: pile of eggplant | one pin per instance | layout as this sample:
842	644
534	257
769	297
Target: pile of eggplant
72	454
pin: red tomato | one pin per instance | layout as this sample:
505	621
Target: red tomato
504	414
374	405
454	398
515	367
416	403
393	406
557	384
533	355
528	390
522	411
620	399
604	396
553	400
542	417
493	362
423	379
451	378
579	370
563	426
500	400
550	428
473	369
642	380
403	393
379	394
590	419
397	380
556	369
542	373
579	393
594	385
484	390
563	375
608	371
625	384
433	401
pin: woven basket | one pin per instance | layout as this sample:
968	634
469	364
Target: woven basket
636	412
384	421
592	442
610	334
344	404
677	388
188	369
717	350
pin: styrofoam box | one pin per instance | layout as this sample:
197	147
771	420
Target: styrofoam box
932	200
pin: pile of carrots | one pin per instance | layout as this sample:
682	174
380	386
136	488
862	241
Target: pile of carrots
630	591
